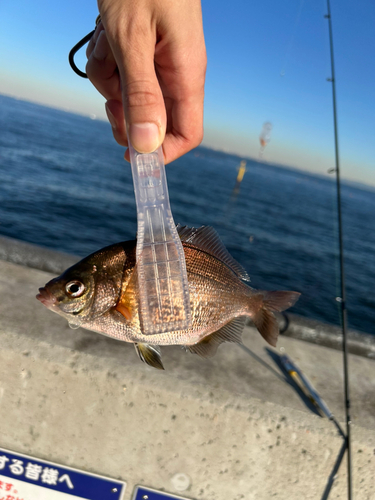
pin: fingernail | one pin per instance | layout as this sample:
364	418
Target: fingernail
144	137
111	118
101	49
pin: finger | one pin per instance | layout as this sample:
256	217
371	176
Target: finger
101	69
134	48
187	131
176	146
115	114
92	42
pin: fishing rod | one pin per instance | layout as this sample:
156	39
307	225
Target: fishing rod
341	300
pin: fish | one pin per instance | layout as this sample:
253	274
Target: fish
100	293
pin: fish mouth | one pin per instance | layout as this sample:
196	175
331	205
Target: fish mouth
46	298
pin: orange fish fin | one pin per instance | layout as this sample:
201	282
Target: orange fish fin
231	332
207	239
264	318
125	311
127	302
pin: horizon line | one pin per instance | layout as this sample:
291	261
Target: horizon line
294	168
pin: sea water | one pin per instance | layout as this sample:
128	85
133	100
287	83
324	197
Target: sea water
64	185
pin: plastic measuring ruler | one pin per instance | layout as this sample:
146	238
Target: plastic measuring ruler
162	278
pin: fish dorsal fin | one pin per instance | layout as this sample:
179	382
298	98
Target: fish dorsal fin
231	332
208	240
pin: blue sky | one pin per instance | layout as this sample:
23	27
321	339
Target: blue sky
267	61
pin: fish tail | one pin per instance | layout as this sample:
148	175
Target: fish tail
265	320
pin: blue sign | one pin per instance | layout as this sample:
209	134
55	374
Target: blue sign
142	493
28	478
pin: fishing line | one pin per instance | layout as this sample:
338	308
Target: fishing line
291	41
342	299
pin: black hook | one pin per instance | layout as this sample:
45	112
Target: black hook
77	47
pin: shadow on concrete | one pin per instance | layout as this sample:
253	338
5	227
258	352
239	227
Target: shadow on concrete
283	376
288	379
276	358
332	476
263	363
331	479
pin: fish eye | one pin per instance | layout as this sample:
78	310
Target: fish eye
75	288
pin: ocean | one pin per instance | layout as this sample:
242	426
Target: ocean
64	185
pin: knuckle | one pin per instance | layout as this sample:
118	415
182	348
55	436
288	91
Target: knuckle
140	94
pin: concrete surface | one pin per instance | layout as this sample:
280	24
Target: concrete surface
34	256
233	424
327	335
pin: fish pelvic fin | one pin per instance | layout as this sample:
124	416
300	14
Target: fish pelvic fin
231	332
264	318
149	354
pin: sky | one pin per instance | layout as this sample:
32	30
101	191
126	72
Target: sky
267	61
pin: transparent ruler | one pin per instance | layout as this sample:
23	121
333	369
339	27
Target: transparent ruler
162	278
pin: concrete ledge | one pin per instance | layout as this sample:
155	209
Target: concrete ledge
317	332
234	424
34	256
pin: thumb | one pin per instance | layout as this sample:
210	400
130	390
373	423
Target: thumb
142	97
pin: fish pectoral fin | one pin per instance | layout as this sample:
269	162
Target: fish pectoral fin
125	311
149	354
231	332
126	304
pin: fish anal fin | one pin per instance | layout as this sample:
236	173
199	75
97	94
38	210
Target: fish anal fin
149	354
231	332
207	239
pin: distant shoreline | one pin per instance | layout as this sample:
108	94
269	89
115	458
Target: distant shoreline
331	178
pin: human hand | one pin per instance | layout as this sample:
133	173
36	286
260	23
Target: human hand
148	59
